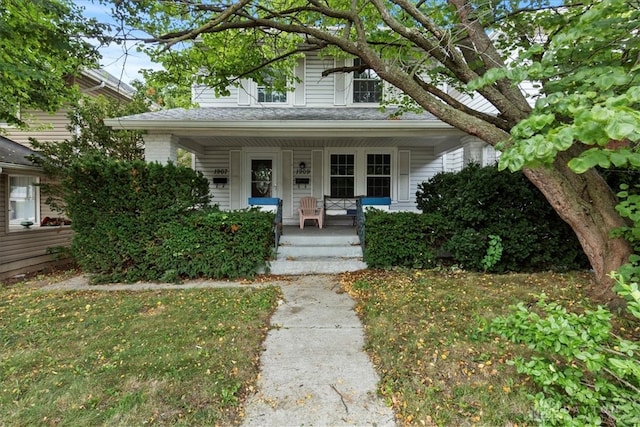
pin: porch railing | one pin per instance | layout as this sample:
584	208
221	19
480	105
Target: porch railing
277	226
271	204
360	221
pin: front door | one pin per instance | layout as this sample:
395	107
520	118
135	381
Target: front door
262	175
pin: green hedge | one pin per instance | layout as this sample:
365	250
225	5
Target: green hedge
213	244
399	239
146	221
478	203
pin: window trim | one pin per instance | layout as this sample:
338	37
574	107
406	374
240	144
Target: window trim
367	175
14	225
354	176
360	153
352	87
255	87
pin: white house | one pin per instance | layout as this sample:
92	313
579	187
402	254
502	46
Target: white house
326	137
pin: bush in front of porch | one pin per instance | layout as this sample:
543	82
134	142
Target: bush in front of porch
145	221
482	219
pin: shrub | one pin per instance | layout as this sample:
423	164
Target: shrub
399	239
212	243
146	221
479	202
587	374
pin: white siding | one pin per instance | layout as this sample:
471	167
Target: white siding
424	165
453	161
319	90
206	97
215	163
477	102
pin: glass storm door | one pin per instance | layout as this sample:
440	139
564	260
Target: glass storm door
262	178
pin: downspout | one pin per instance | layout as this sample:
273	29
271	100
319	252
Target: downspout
94	88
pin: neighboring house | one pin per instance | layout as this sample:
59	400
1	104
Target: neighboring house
25	249
45	126
326	137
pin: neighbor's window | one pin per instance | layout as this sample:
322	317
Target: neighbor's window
378	175
367	86
342	175
23	199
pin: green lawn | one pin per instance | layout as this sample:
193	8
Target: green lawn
190	357
426	336
180	357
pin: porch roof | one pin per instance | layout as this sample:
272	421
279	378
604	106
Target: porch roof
13	155
293	126
212	115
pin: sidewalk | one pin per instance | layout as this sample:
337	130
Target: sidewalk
314	371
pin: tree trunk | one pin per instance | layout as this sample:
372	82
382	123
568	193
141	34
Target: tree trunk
586	202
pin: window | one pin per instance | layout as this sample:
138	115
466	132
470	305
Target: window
23	199
378	175
342	175
267	94
367	86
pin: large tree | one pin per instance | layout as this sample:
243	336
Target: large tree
42	44
582	56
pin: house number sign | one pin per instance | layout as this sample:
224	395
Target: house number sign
221	171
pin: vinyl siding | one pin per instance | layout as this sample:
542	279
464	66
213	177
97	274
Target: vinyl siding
206	97
24	250
424	165
45	127
319	90
212	163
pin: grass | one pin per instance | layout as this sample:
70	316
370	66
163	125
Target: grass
427	335
190	357
179	357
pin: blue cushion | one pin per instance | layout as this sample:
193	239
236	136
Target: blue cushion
253	201
376	200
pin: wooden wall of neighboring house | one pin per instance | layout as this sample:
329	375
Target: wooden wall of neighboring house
22	250
53	126
44	127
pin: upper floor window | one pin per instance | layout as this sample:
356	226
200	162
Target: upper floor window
268	94
367	86
23	199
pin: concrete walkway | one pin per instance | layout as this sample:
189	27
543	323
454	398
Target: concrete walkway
314	371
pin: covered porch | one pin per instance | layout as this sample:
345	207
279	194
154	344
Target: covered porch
291	153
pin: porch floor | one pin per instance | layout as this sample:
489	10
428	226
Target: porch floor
312	230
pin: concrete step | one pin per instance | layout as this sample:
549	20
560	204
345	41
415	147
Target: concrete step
328	240
326	265
318	251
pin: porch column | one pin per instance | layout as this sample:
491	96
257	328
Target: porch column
472	150
160	148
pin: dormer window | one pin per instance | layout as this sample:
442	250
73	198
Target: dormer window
367	86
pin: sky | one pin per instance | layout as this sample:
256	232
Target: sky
122	61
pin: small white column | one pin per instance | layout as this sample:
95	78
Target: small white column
160	148
473	150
